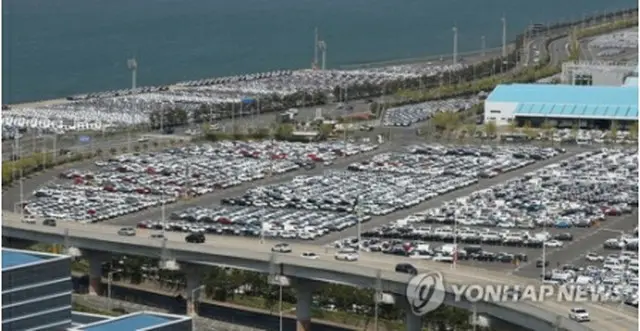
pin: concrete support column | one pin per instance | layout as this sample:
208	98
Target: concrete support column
193	288
304	292
95	259
412	322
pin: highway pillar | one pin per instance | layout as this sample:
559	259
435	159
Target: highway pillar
95	259
193	275
304	291
412	321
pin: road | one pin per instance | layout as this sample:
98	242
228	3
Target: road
603	317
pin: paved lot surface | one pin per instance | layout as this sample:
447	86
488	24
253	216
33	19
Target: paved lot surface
584	241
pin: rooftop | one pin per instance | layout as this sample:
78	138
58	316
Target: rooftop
541	100
132	322
12	258
631	82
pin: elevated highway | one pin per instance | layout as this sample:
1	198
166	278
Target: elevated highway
97	241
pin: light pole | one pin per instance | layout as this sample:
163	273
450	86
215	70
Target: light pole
109	281
455	243
455	45
132	65
359	213
504	36
544	250
193	296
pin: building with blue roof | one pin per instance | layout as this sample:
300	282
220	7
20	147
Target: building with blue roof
631	82
36	290
562	105
140	321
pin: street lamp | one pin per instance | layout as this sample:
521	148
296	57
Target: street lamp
193	296
109	281
359	213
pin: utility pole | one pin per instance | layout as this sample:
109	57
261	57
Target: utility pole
483	45
132	64
455	45
322	45
504	37
315	48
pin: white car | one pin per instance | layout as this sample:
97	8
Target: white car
593	257
281	248
129	232
309	255
29	219
554	243
579	315
347	254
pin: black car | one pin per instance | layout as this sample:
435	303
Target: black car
195	238
539	263
49	222
406	268
563	236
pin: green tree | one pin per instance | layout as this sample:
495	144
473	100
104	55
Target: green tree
613	132
529	131
633	131
491	129
548	129
284	131
574	131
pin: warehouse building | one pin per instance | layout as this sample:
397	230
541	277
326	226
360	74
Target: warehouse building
562	105
147	321
597	73
36	290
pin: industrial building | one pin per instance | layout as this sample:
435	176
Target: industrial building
147	321
562	105
596	73
36	290
37	295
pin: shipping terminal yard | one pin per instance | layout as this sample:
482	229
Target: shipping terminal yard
338	176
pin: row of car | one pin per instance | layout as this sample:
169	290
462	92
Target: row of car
238	78
470	235
390	181
579	192
249	221
132	182
411	114
222	96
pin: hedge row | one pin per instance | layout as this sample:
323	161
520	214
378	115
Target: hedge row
606	28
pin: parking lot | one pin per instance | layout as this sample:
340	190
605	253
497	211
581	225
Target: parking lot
324	204
408	115
578	208
130	183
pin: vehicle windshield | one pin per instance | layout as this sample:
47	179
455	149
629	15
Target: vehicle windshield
580	311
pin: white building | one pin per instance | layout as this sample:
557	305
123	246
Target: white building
536	103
